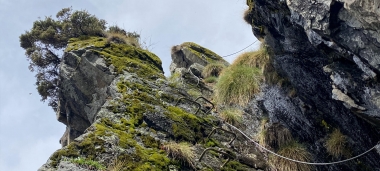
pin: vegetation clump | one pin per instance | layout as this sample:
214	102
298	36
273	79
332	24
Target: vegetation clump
49	37
211	79
294	151
116	165
88	163
117	35
256	59
213	70
180	151
275	136
187	126
201	52
232	116
44	43
237	85
337	145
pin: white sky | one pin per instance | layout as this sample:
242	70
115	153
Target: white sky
29	131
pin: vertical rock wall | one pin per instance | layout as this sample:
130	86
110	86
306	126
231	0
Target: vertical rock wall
329	52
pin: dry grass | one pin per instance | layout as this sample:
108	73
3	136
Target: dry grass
263	132
295	151
176	49
121	38
116	165
276	136
336	144
213	70
257	59
232	116
180	151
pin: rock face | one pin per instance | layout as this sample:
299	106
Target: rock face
191	56
84	89
120	109
329	51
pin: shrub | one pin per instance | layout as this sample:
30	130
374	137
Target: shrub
232	116
295	151
44	43
180	151
213	69
237	85
336	144
211	79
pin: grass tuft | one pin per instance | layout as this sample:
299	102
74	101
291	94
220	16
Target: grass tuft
211	79
237	85
120	38
213	69
231	116
276	136
295	151
256	59
180	151
116	165
336	144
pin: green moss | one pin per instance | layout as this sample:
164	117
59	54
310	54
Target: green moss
68	151
82	42
202	52
88	163
145	157
123	56
137	100
174	80
234	166
91	146
194	92
212	143
187	126
325	125
149	141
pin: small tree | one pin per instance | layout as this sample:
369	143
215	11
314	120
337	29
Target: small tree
45	42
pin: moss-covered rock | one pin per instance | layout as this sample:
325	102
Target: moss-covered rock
139	113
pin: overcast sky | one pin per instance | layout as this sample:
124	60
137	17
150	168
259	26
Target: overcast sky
29	131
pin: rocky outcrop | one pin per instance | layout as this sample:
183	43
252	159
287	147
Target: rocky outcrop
84	89
328	51
119	107
191	56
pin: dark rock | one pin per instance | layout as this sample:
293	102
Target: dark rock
329	52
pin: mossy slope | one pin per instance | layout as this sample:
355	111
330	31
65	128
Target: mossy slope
121	131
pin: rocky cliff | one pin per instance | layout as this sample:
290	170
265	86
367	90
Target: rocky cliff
317	101
123	114
328	52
